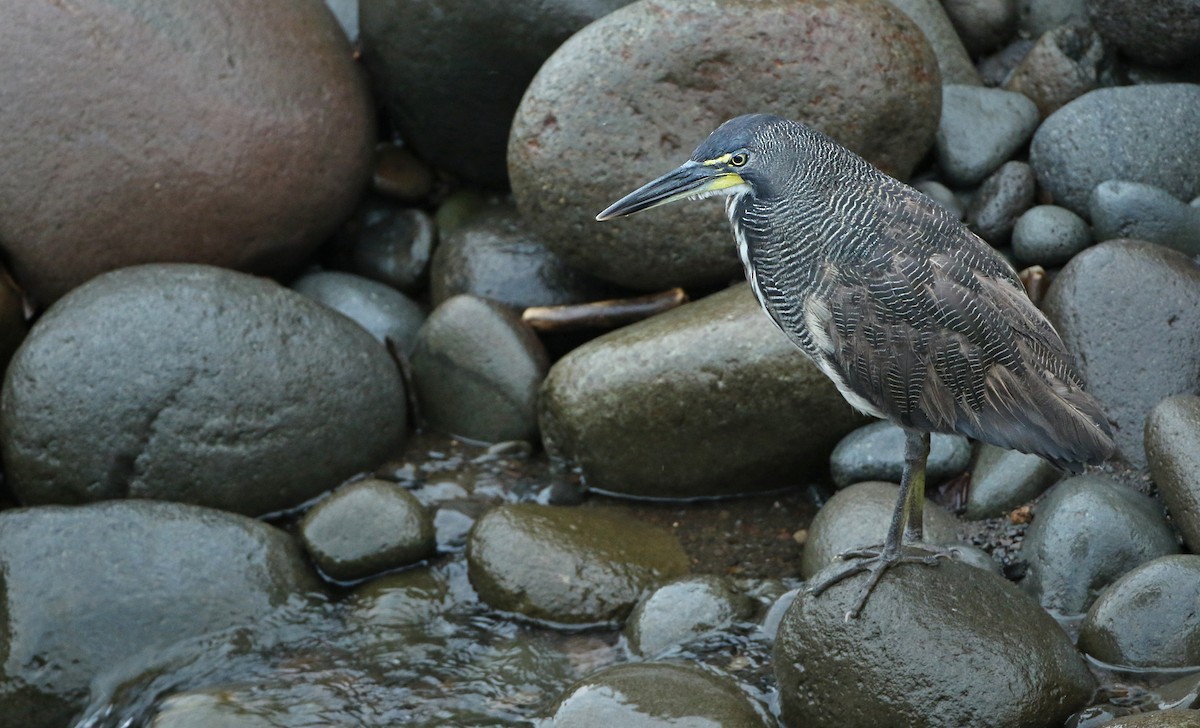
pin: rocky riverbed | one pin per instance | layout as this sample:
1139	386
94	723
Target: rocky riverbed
327	402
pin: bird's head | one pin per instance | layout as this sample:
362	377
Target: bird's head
735	159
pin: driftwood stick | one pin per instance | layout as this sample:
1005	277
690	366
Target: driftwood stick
602	314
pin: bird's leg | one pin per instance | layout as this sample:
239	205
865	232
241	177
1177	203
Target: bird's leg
905	526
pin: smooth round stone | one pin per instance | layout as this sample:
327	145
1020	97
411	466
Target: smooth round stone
400	175
655	695
954	64
942	195
1158	719
1049	235
1148	134
476	371
876	452
392	245
941	639
365	528
406	600
1062	65
980	129
1172	437
1160	34
210	707
451	72
90	586
629	97
236	133
1038	16
495	256
858	517
1148	618
197	384
568	565
1004	479
1087	532
1003	197
682	611
384	312
707	399
1135	349
1122	209
983	25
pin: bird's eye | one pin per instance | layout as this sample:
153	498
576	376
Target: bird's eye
738	159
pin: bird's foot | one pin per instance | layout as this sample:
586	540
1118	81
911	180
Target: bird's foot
876	561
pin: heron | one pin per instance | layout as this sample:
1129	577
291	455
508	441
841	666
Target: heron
913	317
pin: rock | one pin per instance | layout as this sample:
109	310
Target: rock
858	517
1049	235
1087	532
983	25
169	572
227	133
400	175
365	528
996	68
212	707
12	319
876	452
392	244
1148	134
1035	17
630	96
980	129
1160	34
476	371
406	600
568	565
942	639
682	611
494	256
384	312
451	73
953	62
1148	618
707	399
1158	719
197	384
1172	437
942	195
1062	65
1133	210
1002	198
975	556
655	695
1004	479
1136	349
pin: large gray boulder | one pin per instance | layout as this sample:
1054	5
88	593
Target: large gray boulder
196	384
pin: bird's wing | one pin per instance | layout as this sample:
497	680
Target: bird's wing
932	327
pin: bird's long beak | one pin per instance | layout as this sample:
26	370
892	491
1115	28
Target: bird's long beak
690	180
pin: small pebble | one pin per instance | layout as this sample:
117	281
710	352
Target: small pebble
1134	210
1049	235
1002	198
980	129
1062	65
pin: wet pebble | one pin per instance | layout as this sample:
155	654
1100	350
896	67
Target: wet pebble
1062	65
392	244
1003	479
876	452
384	312
1002	198
243	143
495	256
398	602
655	695
683	610
983	25
941	639
568	565
662	76
1122	209
1148	134
476	371
980	129
1173	450
858	517
198	384
707	399
1158	719
930	16
169	572
1135	349
1161	34
211	707
365	528
1049	235
1087	532
1148	618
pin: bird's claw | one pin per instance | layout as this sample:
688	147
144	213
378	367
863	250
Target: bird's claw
876	561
